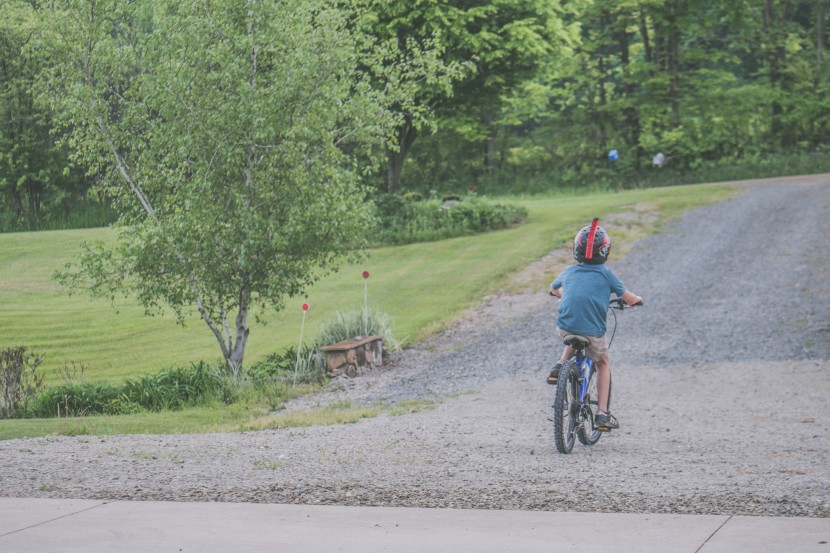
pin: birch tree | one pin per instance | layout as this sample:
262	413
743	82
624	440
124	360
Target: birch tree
227	132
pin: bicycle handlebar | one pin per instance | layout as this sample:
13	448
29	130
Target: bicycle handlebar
618	303
615	303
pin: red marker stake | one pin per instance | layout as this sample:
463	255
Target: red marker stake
365	303
300	345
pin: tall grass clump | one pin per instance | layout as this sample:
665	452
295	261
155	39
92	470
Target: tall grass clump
175	388
289	368
343	326
80	399
168	390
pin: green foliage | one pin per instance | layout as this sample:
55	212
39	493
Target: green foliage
19	380
79	399
480	51
289	368
36	182
404	221
168	390
70	214
709	84
176	388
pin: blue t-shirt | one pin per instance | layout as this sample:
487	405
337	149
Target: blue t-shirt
585	295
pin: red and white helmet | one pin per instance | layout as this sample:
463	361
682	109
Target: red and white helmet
592	244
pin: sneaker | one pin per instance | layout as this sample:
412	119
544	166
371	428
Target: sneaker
553	377
605	422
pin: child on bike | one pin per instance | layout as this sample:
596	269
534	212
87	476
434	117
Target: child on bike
585	290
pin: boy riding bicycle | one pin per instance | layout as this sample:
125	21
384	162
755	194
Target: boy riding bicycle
585	289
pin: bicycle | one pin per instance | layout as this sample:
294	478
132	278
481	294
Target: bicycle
576	402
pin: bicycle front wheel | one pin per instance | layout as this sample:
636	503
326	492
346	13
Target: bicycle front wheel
586	432
564	420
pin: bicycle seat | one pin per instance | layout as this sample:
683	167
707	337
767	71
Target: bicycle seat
576	341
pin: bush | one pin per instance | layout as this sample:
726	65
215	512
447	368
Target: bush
287	366
175	388
19	381
404	221
170	389
79	399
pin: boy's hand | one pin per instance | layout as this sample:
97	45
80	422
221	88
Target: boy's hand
632	299
556	292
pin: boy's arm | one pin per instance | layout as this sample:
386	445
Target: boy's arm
556	287
631	298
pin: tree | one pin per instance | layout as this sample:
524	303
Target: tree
419	34
510	40
32	166
485	49
227	133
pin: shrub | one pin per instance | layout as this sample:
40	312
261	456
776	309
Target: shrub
175	388
405	221
287	366
19	381
85	398
170	389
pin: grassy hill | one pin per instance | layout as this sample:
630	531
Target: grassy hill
422	286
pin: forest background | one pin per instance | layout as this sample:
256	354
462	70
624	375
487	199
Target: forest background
534	96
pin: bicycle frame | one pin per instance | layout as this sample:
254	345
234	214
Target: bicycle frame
586	367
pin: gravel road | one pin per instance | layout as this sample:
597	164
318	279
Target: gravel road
721	387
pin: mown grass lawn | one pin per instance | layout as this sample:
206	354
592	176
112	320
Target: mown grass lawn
422	286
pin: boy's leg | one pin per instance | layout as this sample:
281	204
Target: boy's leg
603	382
603	419
553	377
567	353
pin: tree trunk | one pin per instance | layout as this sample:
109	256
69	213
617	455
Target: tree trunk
645	36
632	120
237	354
394	170
395	159
775	59
491	144
17	203
673	60
821	10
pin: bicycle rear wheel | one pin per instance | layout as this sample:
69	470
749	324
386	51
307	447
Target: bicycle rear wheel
564	421
587	434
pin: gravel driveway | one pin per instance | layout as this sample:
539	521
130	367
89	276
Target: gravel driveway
721	387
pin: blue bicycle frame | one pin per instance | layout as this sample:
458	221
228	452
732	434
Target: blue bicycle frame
585	367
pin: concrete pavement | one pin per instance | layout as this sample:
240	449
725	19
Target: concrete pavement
90	526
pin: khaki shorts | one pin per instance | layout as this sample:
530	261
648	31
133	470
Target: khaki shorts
597	349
